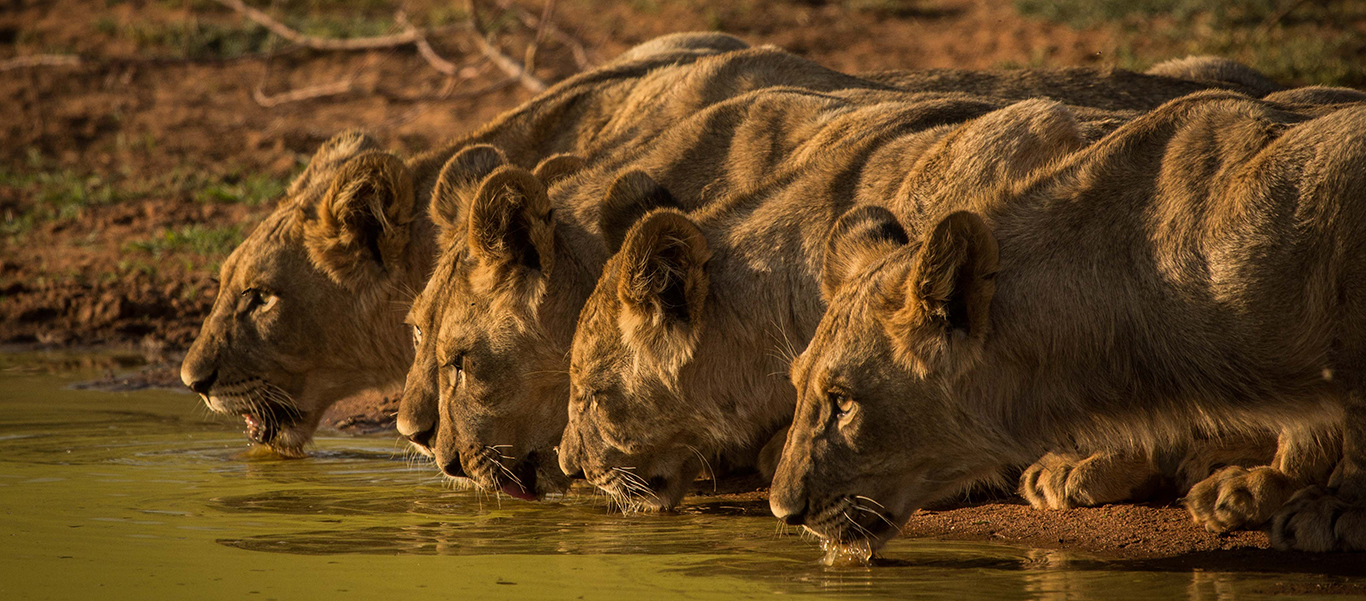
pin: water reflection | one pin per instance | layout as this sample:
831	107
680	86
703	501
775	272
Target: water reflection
140	494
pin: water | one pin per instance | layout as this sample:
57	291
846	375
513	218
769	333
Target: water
143	496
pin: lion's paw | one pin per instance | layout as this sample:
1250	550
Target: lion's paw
1237	497
1064	481
1316	520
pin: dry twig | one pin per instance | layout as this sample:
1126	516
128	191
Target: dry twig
308	93
508	64
424	48
40	60
1275	19
410	35
576	47
546	13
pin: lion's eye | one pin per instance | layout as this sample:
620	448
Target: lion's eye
457	362
253	299
840	403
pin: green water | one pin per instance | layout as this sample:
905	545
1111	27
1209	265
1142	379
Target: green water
143	496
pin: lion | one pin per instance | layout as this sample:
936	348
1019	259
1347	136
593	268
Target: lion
350	242
324	242
1065	480
352	234
1190	274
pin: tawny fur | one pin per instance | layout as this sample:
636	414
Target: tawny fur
313	363
337	328
1193	273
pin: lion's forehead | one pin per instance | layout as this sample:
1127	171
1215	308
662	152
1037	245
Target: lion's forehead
272	254
843	340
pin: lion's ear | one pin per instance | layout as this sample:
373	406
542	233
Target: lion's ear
662	286
360	229
632	195
334	153
861	236
457	183
511	225
944	314
556	167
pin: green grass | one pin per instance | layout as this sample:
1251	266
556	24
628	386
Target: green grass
53	195
343	27
253	190
56	195
215	32
196	239
194	39
1087	13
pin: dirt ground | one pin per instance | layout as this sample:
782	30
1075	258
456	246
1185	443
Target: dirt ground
156	133
127	177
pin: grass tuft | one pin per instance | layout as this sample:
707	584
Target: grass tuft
195	238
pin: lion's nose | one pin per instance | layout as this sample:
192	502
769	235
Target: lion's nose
568	465
795	518
201	384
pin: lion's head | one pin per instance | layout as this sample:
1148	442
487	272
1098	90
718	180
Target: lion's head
631	431
878	431
329	269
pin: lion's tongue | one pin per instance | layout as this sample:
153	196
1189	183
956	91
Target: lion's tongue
515	491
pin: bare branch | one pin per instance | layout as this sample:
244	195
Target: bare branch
410	35
1275	19
317	43
472	14
508	64
308	93
546	13
532	21
424	48
40	60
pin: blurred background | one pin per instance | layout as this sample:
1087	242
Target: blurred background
140	140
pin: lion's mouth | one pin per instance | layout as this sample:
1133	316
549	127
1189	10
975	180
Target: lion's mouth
265	421
260	431
635	492
852	529
522	483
